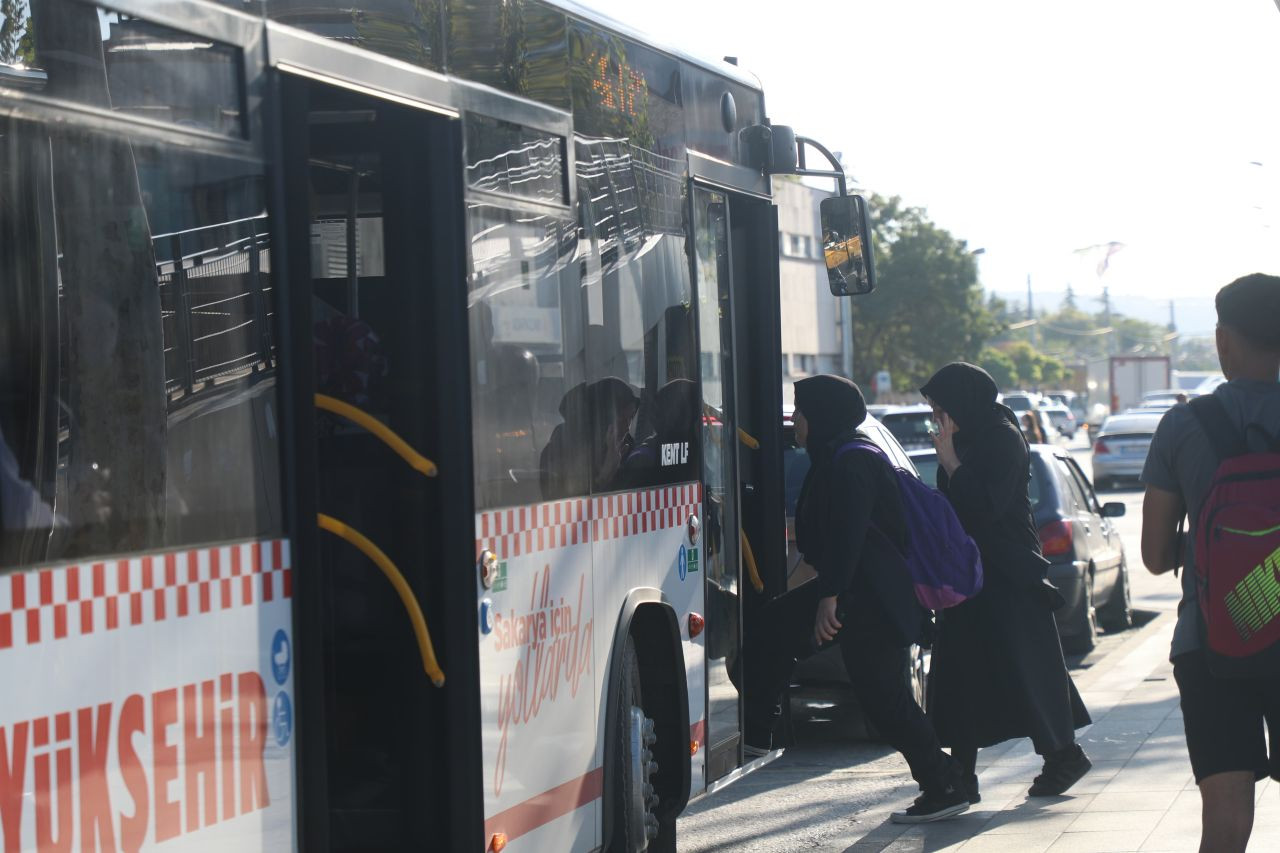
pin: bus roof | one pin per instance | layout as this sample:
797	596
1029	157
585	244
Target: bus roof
591	16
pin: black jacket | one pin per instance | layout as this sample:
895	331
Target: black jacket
989	493
842	497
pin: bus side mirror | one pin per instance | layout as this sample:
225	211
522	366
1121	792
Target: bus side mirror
846	245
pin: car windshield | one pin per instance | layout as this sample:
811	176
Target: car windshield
1018	402
910	428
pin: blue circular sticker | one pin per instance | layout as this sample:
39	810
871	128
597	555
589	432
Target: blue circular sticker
281	656
282	718
683	562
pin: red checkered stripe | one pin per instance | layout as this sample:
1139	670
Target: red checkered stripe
77	600
630	513
528	530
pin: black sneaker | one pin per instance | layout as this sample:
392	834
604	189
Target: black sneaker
971	790
1061	770
930	807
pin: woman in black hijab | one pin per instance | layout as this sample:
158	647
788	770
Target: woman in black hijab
997	670
850	526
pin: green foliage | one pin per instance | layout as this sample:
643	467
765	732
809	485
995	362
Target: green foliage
16	39
1000	366
928	308
1032	368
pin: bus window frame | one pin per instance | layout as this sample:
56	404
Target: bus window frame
496	105
197	18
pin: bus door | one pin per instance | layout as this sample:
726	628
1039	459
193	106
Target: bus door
372	189
743	517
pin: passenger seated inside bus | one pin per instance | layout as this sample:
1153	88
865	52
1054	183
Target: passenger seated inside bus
588	449
673	412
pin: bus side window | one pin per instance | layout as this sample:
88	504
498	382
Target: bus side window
137	377
526	357
642	330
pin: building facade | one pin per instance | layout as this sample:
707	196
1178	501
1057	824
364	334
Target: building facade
811	317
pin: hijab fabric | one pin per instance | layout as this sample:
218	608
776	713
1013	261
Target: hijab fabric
832	405
967	393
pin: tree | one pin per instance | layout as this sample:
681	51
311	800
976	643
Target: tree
15	33
1033	368
928	308
1069	300
1000	366
1027	361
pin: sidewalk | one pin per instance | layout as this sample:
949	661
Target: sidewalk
1140	795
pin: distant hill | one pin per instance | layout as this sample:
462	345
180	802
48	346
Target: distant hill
1195	315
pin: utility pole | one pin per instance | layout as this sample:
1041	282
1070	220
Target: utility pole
1106	319
1173	334
1031	313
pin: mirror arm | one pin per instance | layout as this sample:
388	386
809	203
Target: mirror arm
835	171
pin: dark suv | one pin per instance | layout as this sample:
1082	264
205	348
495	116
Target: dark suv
1086	556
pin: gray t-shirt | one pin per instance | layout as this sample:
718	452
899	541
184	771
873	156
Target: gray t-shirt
1181	460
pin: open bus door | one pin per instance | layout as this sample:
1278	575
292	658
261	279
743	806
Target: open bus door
735	275
372	188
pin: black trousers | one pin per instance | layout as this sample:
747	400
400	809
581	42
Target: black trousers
877	666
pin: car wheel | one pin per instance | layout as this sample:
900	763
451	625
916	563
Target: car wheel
1117	613
1083	623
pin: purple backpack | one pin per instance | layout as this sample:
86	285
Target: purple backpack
944	562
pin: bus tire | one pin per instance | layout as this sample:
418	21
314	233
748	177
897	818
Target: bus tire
635	820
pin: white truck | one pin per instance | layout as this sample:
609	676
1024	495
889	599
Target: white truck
1134	375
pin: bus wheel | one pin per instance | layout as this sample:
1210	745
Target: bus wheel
635	820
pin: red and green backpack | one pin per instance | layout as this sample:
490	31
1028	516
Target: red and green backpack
1237	549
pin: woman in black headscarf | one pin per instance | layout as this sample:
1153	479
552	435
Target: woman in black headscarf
850	527
998	671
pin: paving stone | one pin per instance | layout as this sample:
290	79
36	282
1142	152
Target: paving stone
1133	801
1048	824
1092	821
1098	842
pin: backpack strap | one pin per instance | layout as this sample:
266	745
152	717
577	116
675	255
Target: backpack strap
859	443
1213	419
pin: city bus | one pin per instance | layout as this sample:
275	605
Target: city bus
390	437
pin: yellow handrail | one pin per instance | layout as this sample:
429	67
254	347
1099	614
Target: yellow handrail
415	459
373	552
748	439
752	571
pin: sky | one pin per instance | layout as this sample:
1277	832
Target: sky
1033	129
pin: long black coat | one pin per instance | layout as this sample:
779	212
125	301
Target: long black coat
998	671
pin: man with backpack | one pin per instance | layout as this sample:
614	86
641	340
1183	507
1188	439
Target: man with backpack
1216	461
852	527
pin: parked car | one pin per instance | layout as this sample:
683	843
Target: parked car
1086	556
910	426
1047	428
825	670
1021	401
1071	400
926	462
1062	418
1167	398
1120	446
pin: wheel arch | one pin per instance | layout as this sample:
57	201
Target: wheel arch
651	621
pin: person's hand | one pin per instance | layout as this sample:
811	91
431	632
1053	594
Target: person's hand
944	444
825	624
